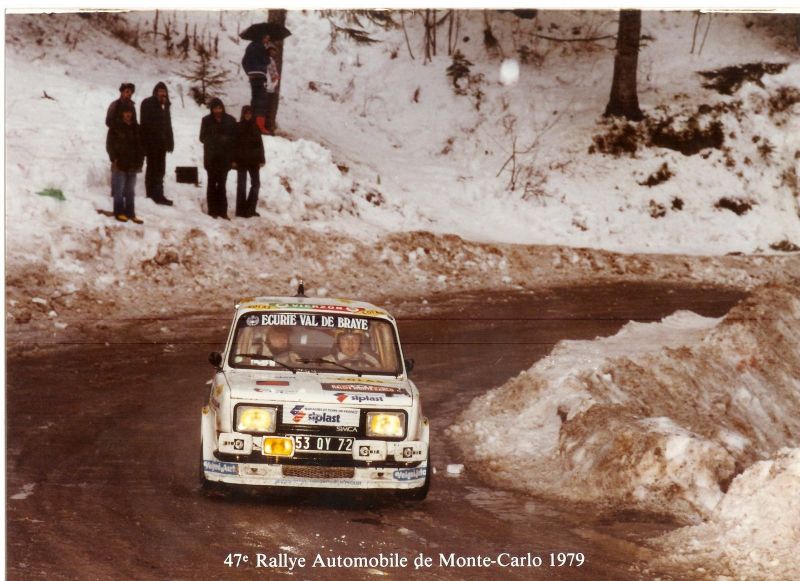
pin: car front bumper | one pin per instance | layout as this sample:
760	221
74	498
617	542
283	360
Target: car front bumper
309	476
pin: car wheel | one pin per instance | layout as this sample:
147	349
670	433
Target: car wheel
208	487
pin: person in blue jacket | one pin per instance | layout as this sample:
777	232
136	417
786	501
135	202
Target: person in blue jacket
255	63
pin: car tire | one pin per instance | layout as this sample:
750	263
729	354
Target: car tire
207	487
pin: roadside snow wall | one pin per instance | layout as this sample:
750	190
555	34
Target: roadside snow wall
659	417
755	530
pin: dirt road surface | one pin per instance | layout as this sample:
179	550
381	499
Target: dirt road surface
103	450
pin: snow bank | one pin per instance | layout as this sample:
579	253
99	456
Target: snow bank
659	417
369	190
755	530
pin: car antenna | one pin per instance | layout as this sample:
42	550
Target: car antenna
301	289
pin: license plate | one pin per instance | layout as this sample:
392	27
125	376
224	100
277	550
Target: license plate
324	444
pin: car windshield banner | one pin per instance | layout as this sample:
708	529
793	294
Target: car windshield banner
305	320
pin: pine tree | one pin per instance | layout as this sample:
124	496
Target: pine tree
206	77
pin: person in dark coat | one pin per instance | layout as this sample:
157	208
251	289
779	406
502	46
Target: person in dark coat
248	158
113	114
156	132
218	135
125	151
255	63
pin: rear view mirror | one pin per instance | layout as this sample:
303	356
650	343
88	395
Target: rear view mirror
409	365
215	359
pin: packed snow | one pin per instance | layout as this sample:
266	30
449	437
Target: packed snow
754	531
661	417
383	181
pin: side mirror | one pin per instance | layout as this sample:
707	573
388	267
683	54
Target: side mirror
215	359
409	365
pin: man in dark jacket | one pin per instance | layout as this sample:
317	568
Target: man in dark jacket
255	62
156	131
218	135
248	158
126	154
113	115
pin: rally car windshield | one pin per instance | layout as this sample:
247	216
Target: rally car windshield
332	343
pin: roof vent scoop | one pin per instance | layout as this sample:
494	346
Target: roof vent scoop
301	289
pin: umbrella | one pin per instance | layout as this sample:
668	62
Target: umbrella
256	32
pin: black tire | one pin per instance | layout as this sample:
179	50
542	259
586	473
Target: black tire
206	486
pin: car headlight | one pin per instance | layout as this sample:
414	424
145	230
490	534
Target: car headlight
386	424
255	419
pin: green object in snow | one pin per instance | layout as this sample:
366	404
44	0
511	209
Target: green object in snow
53	193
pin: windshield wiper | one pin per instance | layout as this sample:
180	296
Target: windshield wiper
332	362
261	357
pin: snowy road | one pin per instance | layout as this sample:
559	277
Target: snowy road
102	455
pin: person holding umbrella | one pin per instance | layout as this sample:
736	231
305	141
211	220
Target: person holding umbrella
256	63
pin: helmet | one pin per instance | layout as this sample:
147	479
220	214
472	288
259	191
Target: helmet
350	332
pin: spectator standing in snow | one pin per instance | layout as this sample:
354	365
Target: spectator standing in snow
125	151
248	158
218	135
126	91
156	132
273	78
255	63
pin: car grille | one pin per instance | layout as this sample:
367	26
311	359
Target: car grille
318	471
322	461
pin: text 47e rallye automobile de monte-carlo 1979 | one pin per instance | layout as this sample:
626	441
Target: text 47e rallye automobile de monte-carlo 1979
314	393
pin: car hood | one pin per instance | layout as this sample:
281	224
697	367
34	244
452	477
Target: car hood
310	388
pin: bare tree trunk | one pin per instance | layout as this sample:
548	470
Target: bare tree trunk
797	30
624	100
277	16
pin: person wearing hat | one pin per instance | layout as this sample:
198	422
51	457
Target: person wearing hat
248	159
125	151
218	136
113	115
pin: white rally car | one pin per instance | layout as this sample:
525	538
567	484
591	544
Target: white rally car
314	393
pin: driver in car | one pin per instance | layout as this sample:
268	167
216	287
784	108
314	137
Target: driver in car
349	351
277	345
